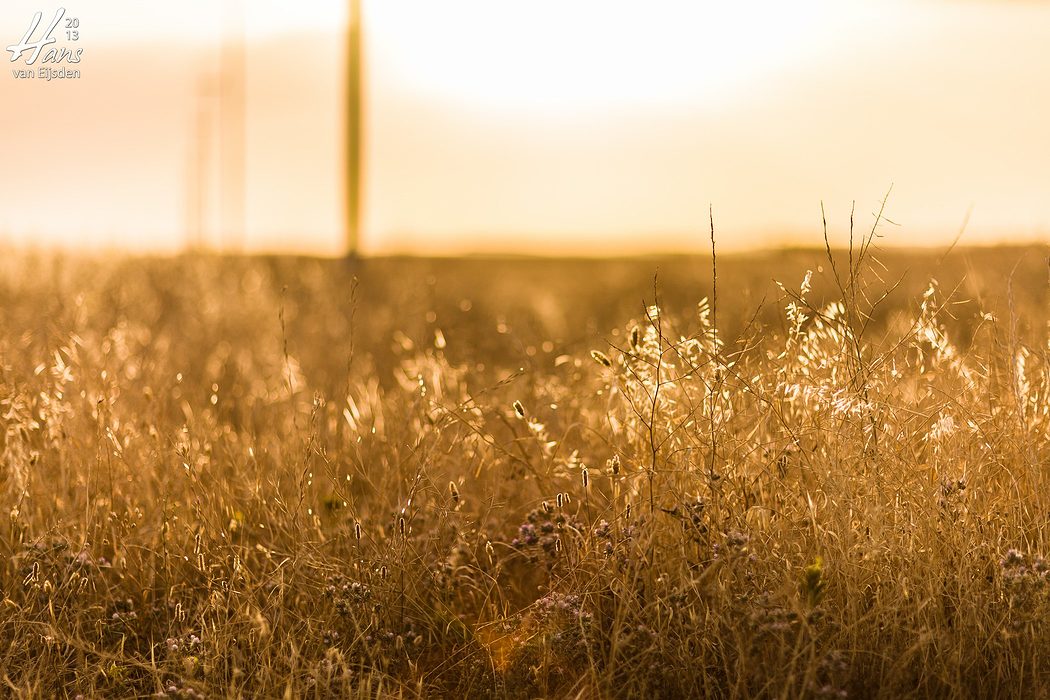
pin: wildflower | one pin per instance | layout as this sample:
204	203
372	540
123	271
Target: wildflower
453	491
1013	559
561	604
603	529
812	586
526	535
519	410
736	540
1040	566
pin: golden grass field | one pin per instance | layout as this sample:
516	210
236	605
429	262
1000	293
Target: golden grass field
257	478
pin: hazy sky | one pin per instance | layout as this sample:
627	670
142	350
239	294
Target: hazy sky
553	126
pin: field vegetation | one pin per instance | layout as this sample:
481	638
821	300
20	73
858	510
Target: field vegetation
826	476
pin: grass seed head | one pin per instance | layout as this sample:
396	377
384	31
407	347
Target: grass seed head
601	358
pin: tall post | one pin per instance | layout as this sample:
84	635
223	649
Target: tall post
199	163
232	93
353	129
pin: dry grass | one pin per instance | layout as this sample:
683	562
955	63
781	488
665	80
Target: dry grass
245	478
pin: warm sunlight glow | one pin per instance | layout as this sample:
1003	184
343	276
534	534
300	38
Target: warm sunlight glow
548	126
525	348
590	55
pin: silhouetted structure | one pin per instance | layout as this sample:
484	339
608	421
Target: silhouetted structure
199	163
232	127
353	128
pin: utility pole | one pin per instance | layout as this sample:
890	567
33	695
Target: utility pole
232	94
353	129
199	164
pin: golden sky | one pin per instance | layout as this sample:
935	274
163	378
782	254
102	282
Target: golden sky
552	126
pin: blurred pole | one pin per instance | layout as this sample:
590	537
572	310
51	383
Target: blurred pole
232	126
198	166
353	129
